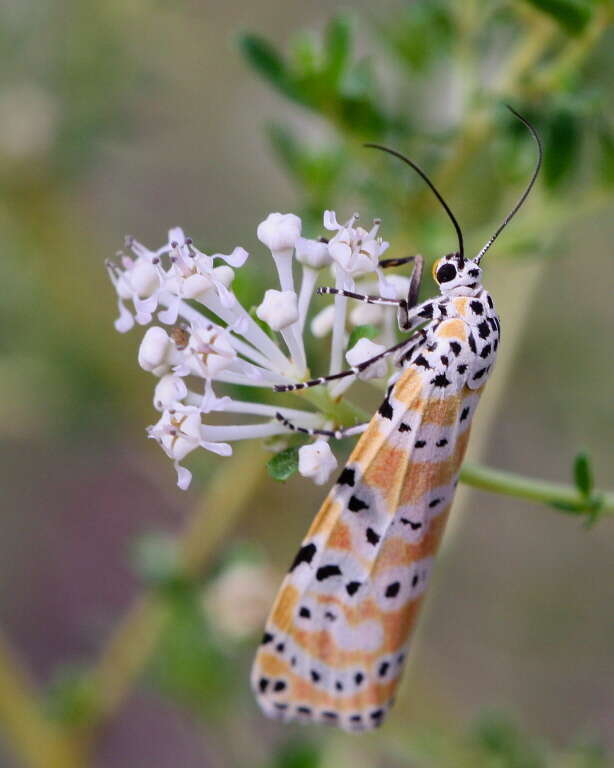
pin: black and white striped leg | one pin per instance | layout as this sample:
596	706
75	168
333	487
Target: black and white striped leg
360	297
387	263
337	434
342	374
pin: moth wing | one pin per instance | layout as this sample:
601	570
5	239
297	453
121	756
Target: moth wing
335	642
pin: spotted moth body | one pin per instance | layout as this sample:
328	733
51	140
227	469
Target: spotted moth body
337	638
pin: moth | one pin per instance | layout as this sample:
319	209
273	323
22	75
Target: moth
336	640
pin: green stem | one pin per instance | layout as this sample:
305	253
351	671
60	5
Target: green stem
562	496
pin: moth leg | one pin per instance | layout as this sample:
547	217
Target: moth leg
360	297
337	434
342	374
415	282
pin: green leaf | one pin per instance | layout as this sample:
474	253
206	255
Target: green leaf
606	152
337	45
284	464
582	473
265	59
572	15
562	147
421	33
362	332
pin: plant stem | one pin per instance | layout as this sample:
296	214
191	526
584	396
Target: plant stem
133	642
540	491
37	741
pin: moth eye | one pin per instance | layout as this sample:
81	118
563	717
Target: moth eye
445	273
436	265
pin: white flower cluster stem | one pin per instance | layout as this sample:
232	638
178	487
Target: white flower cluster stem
200	336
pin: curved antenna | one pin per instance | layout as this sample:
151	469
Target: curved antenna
436	192
525	194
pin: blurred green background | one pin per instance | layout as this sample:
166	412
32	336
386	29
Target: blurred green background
132	117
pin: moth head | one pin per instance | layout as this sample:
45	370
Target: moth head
456	276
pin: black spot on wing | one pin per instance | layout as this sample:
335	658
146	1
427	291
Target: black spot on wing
455	347
304	612
304	555
485	351
263	684
441	443
327	571
404	427
426	311
347	477
412	525
484	329
383	668
355	504
462	368
420	443
315	676
465	413
489	300
352	587
280	686
479	374
392	590
471	341
372	537
477	307
441	380
434	503
385	410
359	678
422	361
266	638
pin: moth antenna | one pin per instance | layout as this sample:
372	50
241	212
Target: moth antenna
436	192
525	194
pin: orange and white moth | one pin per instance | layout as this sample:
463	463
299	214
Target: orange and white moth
337	637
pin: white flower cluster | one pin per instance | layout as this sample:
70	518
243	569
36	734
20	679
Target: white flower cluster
211	338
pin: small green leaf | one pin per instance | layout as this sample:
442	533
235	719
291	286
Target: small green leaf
265	59
568	507
606	147
284	464
337	45
572	15
362	332
582	473
562	142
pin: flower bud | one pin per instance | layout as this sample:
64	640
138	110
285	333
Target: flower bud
279	309
279	231
364	350
312	253
317	461
155	350
169	390
224	274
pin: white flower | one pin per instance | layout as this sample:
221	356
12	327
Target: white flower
279	309
313	253
279	231
169	392
316	461
238	601
363	350
156	353
322	323
355	250
212	340
178	434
